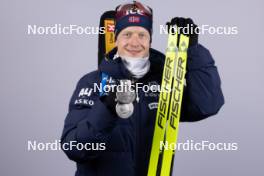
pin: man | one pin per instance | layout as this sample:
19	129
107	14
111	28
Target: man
118	128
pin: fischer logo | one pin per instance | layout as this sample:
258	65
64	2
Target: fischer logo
164	97
177	94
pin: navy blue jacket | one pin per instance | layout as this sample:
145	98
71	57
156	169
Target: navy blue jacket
122	146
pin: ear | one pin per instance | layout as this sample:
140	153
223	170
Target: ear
116	42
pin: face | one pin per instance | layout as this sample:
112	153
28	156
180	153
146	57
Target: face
133	41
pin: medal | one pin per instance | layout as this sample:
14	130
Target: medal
124	110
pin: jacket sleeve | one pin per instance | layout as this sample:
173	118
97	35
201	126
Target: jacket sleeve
202	96
88	121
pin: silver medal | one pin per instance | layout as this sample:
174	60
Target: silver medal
124	110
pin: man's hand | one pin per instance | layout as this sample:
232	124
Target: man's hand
120	100
187	27
126	94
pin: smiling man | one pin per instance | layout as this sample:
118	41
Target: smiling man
133	42
114	130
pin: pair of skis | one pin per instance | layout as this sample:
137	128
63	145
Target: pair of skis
170	98
169	106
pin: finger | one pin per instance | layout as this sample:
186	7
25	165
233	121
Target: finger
181	22
189	21
174	21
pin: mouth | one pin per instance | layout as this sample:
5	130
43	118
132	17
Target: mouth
133	52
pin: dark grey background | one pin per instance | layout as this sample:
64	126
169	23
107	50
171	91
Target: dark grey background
39	73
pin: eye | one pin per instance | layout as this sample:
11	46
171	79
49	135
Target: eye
142	35
127	34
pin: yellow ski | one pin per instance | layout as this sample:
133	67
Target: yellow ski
171	134
163	105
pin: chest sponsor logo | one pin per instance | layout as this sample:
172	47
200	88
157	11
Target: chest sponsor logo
153	105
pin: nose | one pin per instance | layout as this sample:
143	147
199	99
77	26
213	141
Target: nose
134	41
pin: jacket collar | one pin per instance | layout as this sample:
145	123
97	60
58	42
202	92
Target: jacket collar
116	69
